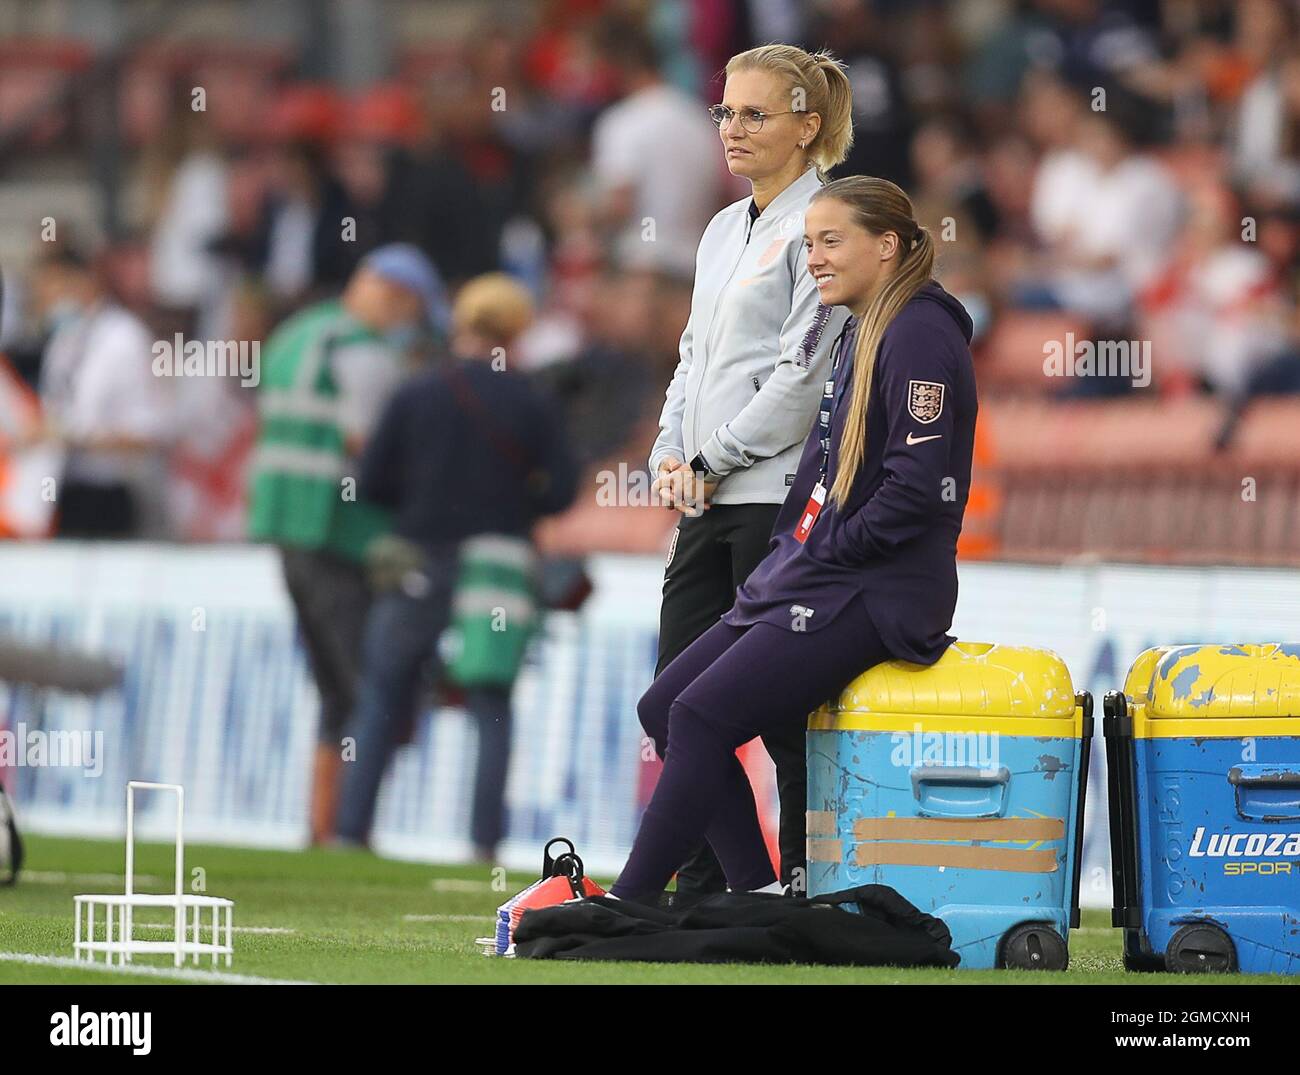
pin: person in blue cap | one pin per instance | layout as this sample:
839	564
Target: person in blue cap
326	374
405	267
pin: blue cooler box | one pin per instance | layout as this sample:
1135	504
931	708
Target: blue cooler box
960	786
1203	758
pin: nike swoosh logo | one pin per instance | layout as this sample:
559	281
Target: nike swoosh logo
921	440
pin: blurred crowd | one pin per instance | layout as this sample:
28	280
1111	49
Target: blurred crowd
1131	165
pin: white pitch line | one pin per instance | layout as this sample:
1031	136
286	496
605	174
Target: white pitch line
55	877
448	918
263	929
454	884
189	974
235	929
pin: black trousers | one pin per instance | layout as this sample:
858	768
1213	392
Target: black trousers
712	554
94	510
331	596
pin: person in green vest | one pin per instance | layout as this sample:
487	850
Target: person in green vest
327	373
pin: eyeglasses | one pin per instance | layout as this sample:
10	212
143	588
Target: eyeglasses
750	118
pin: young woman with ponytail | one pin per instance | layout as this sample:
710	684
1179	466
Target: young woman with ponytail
862	561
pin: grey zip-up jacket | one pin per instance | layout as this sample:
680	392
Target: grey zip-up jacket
755	354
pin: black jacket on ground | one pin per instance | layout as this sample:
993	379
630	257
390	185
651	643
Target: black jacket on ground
743	927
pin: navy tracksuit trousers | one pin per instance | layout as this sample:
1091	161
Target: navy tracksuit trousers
730	685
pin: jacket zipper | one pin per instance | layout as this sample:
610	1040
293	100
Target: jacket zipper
699	388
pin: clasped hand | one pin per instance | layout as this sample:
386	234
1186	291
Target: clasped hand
677	486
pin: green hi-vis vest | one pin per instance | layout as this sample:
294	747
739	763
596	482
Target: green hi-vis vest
298	495
494	611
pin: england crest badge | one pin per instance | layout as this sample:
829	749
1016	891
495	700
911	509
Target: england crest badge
925	400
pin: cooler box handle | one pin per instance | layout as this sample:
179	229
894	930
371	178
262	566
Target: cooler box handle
1266	792
960	790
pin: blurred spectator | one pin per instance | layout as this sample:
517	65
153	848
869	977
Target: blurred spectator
102	404
190	213
611	391
1091	41
655	158
216	423
671	23
562	61
1004	48
1218	312
327	374
1107	213
428	196
577	254
467	458
882	120
1265	144
605	386
303	243
950	179
507	134
24	462
1278	236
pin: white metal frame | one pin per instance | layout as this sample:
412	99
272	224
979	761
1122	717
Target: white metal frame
188	931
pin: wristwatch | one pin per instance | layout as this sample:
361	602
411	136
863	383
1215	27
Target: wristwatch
701	468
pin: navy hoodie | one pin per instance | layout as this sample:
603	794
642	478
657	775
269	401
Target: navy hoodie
893	545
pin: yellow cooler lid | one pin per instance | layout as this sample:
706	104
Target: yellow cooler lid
1017	690
1138	682
1245	689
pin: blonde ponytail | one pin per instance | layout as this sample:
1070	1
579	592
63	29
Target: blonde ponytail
878	206
835	138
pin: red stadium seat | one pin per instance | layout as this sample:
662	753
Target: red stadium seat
32	72
1011	358
1270	432
1141	480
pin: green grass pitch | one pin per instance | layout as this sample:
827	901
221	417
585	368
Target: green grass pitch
349	917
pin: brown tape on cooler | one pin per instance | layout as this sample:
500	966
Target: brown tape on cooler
957	855
825	851
938	828
822	823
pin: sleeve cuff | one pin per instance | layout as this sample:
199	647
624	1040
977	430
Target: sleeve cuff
715	458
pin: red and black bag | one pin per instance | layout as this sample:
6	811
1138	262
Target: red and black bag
563	879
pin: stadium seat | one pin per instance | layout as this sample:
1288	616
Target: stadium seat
1269	432
239	80
32	72
1011	358
1141	480
1041	433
